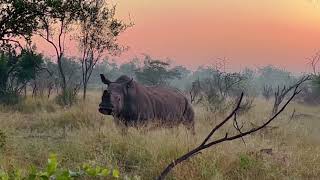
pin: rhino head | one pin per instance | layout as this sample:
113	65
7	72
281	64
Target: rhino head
115	95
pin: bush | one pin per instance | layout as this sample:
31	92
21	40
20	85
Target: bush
68	97
216	103
53	172
9	98
310	93
246	162
16	71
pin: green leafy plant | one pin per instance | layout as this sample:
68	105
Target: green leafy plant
245	161
16	71
52	171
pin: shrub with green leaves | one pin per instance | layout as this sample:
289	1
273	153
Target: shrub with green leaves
15	72
246	162
52	171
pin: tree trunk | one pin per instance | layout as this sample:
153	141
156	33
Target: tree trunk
63	78
25	91
84	90
49	90
275	109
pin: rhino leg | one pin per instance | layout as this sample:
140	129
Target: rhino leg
121	126
188	118
190	126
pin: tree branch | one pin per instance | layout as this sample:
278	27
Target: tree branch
12	40
223	122
205	144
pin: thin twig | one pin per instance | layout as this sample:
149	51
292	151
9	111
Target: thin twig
236	126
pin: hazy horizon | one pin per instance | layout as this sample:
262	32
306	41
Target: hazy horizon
245	32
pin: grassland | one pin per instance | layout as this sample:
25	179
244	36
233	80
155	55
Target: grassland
80	134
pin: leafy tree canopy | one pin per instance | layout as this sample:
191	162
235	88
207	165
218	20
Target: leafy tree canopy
156	72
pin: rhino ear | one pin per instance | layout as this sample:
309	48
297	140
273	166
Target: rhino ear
129	84
104	79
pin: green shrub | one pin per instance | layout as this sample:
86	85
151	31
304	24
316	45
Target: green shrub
52	171
246	162
15	72
9	98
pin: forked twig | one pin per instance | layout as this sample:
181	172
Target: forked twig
236	126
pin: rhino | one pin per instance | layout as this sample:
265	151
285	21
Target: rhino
133	104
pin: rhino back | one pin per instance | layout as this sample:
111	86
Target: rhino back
167	103
156	103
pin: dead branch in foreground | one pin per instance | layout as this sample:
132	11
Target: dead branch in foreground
206	143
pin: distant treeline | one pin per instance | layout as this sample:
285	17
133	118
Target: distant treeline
93	26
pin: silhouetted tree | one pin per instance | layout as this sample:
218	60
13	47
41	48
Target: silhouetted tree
214	87
16	71
274	77
130	68
280	94
60	16
18	19
156	72
267	92
99	30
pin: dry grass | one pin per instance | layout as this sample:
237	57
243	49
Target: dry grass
80	134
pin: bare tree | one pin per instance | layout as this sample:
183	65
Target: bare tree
280	94
246	105
267	92
47	35
99	30
311	92
207	142
195	92
44	82
314	61
315	67
214	89
57	20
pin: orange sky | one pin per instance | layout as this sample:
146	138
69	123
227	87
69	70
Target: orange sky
246	32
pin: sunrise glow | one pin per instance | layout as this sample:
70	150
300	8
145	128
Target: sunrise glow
246	32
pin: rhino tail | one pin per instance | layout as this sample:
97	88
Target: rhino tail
188	117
